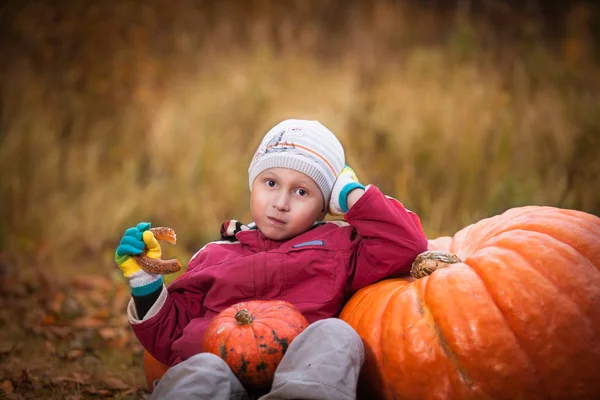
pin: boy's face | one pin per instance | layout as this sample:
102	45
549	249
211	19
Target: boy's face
285	203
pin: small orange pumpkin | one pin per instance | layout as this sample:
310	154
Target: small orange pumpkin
153	369
252	338
511	311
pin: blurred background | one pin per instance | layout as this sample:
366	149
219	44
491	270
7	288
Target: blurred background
115	112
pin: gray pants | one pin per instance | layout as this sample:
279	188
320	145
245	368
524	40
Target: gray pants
323	362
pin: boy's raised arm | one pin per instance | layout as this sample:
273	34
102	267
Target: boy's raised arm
390	235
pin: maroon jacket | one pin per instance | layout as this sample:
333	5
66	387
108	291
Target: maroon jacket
316	271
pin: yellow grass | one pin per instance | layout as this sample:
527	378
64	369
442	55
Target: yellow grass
152	112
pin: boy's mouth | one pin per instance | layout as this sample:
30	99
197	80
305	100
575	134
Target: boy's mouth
276	220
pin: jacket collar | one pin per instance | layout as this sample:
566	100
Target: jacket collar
248	235
251	236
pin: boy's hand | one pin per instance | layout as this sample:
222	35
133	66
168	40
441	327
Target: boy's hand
133	243
344	184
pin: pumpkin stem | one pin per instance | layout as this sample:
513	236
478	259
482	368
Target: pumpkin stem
243	317
429	261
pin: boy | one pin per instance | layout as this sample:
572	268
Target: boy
296	176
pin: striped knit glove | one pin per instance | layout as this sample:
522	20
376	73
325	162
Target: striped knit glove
135	241
344	184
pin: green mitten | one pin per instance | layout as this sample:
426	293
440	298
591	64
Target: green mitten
134	242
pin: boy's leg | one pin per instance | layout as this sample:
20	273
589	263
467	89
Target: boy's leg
323	362
202	377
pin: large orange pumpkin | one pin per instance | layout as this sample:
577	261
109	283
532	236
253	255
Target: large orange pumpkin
512	311
252	338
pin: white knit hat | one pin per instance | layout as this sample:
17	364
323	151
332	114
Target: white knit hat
304	146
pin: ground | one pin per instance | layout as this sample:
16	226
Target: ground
67	338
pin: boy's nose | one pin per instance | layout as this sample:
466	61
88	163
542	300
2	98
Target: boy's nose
281	202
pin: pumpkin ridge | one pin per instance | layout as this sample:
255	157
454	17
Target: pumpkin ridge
458	251
260	353
263	321
266	318
564	298
271	329
381	342
562	218
493	296
512	220
270	312
261	308
537	271
451	355
583	256
225	341
581	308
543	275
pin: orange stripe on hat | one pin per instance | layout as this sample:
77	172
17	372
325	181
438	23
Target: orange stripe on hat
307	149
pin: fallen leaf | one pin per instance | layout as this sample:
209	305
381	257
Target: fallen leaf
108	333
74	354
101	392
97	298
72	308
119	342
50	347
81	375
103	313
59	331
121	299
48	320
23	376
122	319
88	323
56	303
37	330
16	289
136	348
114	383
68	379
90	282
130	392
7	387
36	383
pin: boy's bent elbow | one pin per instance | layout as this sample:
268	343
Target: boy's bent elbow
421	244
405	252
386	259
419	239
411	250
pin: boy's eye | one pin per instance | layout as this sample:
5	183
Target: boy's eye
270	183
301	192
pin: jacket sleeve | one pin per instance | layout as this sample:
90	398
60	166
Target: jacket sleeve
167	318
389	238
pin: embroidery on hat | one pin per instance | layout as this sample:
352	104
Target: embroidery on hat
272	145
280	147
296	131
